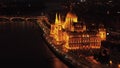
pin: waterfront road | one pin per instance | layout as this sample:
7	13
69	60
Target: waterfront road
21	44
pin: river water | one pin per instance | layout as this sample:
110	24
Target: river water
21	43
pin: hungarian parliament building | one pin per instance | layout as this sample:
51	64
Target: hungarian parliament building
75	35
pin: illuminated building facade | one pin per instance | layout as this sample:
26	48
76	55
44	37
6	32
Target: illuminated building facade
74	33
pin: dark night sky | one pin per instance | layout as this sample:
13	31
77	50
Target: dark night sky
31	1
26	6
34	5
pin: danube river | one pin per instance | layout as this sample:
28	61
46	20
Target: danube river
21	43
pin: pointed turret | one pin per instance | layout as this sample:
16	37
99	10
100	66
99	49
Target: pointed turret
56	19
59	18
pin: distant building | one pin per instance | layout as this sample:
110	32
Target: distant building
74	33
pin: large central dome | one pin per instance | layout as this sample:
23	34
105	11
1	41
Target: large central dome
71	15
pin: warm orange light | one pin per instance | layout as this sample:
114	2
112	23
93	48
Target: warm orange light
102	35
63	31
102	32
118	65
110	62
71	17
56	19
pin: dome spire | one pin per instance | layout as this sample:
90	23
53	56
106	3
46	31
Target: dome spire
71	7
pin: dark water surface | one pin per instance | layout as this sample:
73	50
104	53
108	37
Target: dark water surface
21	43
